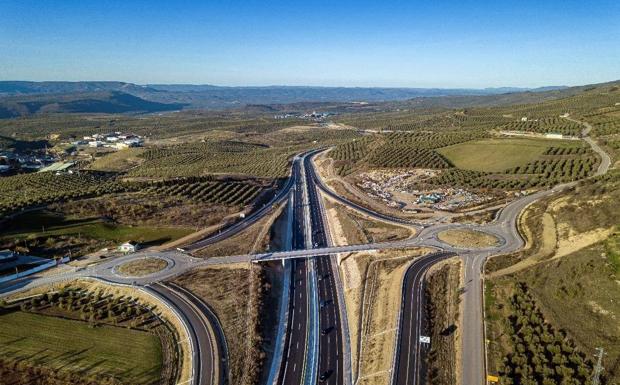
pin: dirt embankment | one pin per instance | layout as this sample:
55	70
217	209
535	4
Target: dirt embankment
350	227
552	230
372	287
236	293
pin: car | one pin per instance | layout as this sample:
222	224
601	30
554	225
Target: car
327	330
325	375
324	302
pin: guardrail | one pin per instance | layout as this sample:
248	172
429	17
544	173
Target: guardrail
312	342
34	270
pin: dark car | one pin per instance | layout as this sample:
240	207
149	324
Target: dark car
327	330
325	375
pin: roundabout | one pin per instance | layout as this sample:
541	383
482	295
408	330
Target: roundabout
143	267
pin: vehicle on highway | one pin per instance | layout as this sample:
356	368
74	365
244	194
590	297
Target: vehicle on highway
324	302
325	375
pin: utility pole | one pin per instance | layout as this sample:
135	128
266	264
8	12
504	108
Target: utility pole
598	368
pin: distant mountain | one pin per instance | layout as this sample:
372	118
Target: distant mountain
25	87
217	97
79	102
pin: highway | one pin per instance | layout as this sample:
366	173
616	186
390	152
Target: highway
310	239
330	367
241	225
292	370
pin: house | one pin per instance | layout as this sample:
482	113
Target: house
134	142
524	119
120	146
129	247
95	143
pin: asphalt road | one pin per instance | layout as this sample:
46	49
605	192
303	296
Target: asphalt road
409	365
371	213
330	365
206	365
294	354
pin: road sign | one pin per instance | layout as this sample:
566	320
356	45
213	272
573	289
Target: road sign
425	340
493	379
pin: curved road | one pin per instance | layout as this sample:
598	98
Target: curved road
206	368
504	227
409	368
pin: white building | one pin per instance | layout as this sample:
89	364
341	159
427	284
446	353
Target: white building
129	247
553	135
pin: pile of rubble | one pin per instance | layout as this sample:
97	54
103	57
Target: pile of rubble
407	191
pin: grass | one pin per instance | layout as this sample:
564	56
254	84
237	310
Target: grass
254	239
235	293
613	253
45	223
132	356
121	160
142	267
493	155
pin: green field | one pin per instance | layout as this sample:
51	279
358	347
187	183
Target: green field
134	357
45	223
493	155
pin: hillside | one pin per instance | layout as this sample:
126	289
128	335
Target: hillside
90	102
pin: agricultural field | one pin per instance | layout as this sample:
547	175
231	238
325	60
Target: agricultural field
494	155
50	234
118	161
537	351
477	164
198	159
26	190
79	336
398	150
568	276
151	126
555	125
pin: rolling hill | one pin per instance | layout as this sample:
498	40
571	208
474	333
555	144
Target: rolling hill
80	102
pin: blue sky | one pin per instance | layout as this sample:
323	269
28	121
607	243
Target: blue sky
432	43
